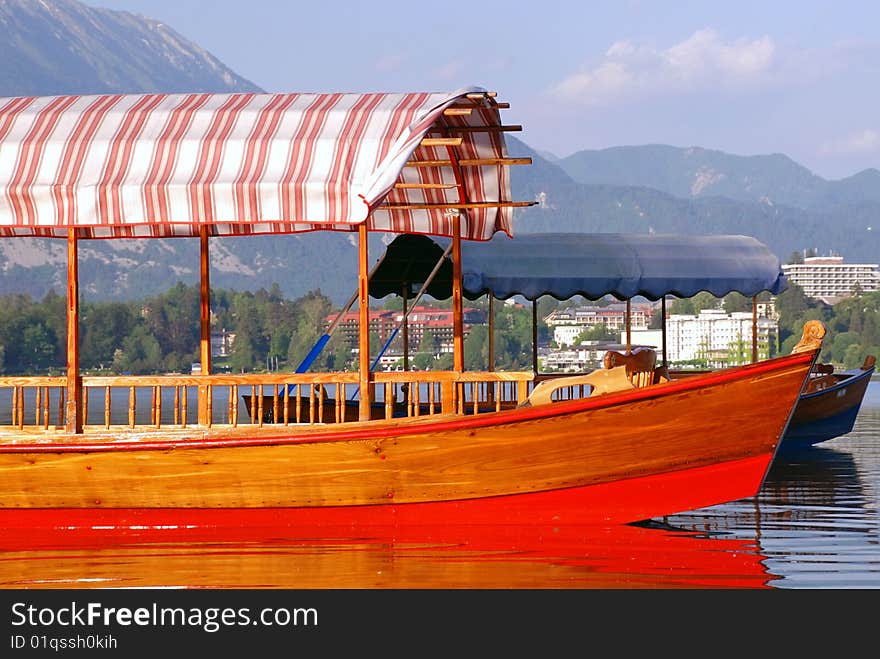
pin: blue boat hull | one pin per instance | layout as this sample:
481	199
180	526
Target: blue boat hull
828	412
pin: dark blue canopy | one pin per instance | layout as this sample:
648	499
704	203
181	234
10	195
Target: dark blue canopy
592	265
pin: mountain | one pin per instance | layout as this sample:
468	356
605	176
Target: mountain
849	228
66	47
63	46
140	268
696	173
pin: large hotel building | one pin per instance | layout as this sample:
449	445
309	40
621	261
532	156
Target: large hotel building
829	279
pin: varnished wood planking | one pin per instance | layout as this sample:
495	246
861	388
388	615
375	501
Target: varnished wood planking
436	461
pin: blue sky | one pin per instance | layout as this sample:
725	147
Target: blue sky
778	76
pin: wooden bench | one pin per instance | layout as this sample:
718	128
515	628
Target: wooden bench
621	371
640	364
601	381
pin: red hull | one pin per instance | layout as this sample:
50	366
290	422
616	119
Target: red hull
624	501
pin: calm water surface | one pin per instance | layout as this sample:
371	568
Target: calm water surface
815	524
816	519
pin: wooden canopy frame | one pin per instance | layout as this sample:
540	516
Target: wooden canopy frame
451	138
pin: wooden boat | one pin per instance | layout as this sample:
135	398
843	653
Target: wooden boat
829	405
653	266
205	165
827	408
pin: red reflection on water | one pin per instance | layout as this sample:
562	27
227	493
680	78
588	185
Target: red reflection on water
201	550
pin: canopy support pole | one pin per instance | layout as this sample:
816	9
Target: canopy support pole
205	322
491	332
663	326
754	328
364	328
457	307
405	327
73	417
628	325
535	336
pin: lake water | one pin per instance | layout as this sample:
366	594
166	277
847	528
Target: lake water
815	524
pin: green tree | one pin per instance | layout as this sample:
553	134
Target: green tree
853	356
476	349
444	362
37	346
53	312
791	305
337	354
597	332
139	354
251	344
242	357
306	320
704	300
429	343
423	361
840	345
736	302
681	307
174	318
104	326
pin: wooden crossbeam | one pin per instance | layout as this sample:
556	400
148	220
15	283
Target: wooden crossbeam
479	204
478	129
425	186
469	108
457	106
474	162
441	141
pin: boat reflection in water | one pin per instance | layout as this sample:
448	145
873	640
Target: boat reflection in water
815	519
201	552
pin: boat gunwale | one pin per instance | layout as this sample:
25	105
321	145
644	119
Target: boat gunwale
360	431
844	379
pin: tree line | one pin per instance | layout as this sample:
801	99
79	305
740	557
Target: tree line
161	334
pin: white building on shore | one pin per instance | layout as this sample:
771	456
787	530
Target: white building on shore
568	324
712	339
830	279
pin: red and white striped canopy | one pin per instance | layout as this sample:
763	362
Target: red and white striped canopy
158	165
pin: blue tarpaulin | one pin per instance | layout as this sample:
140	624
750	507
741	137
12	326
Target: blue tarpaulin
592	265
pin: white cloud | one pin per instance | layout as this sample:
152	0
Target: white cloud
451	70
390	63
702	61
865	141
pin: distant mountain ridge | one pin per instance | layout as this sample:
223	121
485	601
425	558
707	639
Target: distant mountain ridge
63	46
851	228
56	47
695	172
66	47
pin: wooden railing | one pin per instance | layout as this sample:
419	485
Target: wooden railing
34	402
178	401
